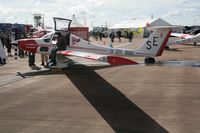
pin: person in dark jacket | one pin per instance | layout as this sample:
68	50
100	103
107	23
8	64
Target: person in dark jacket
130	36
62	43
100	35
31	59
119	35
112	36
7	43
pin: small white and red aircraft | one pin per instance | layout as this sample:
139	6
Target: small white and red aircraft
152	47
184	38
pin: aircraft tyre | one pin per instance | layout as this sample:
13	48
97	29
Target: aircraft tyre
149	60
167	47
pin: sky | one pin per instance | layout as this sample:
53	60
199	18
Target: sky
101	12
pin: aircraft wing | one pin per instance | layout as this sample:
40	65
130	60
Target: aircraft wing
179	35
113	60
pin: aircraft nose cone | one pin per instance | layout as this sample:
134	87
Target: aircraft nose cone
28	45
21	44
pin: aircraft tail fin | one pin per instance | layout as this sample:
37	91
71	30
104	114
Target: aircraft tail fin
156	42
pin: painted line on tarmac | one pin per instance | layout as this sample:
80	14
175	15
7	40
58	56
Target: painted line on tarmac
10	79
20	76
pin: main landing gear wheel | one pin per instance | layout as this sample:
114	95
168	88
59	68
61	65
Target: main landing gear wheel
167	47
149	60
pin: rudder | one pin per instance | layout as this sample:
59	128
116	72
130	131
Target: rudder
155	44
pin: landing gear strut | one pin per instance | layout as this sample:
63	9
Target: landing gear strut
149	60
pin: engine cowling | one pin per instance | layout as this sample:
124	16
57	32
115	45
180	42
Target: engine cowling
28	45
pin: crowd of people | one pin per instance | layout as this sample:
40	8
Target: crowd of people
9	41
46	60
118	34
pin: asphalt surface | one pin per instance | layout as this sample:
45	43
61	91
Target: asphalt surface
159	98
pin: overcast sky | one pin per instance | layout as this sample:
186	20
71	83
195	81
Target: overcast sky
97	12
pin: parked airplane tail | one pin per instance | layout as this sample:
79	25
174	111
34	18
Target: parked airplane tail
156	42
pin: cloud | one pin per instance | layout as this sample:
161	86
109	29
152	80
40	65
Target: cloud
37	3
180	12
187	10
96	3
173	14
81	11
8	10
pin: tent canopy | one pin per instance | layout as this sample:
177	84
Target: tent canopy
75	22
126	24
130	24
159	22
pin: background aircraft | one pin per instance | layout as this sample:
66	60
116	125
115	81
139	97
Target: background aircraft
194	37
185	38
2	54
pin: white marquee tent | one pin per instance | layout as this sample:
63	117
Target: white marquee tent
129	24
75	22
136	23
159	22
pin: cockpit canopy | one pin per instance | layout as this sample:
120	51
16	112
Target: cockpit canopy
48	37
